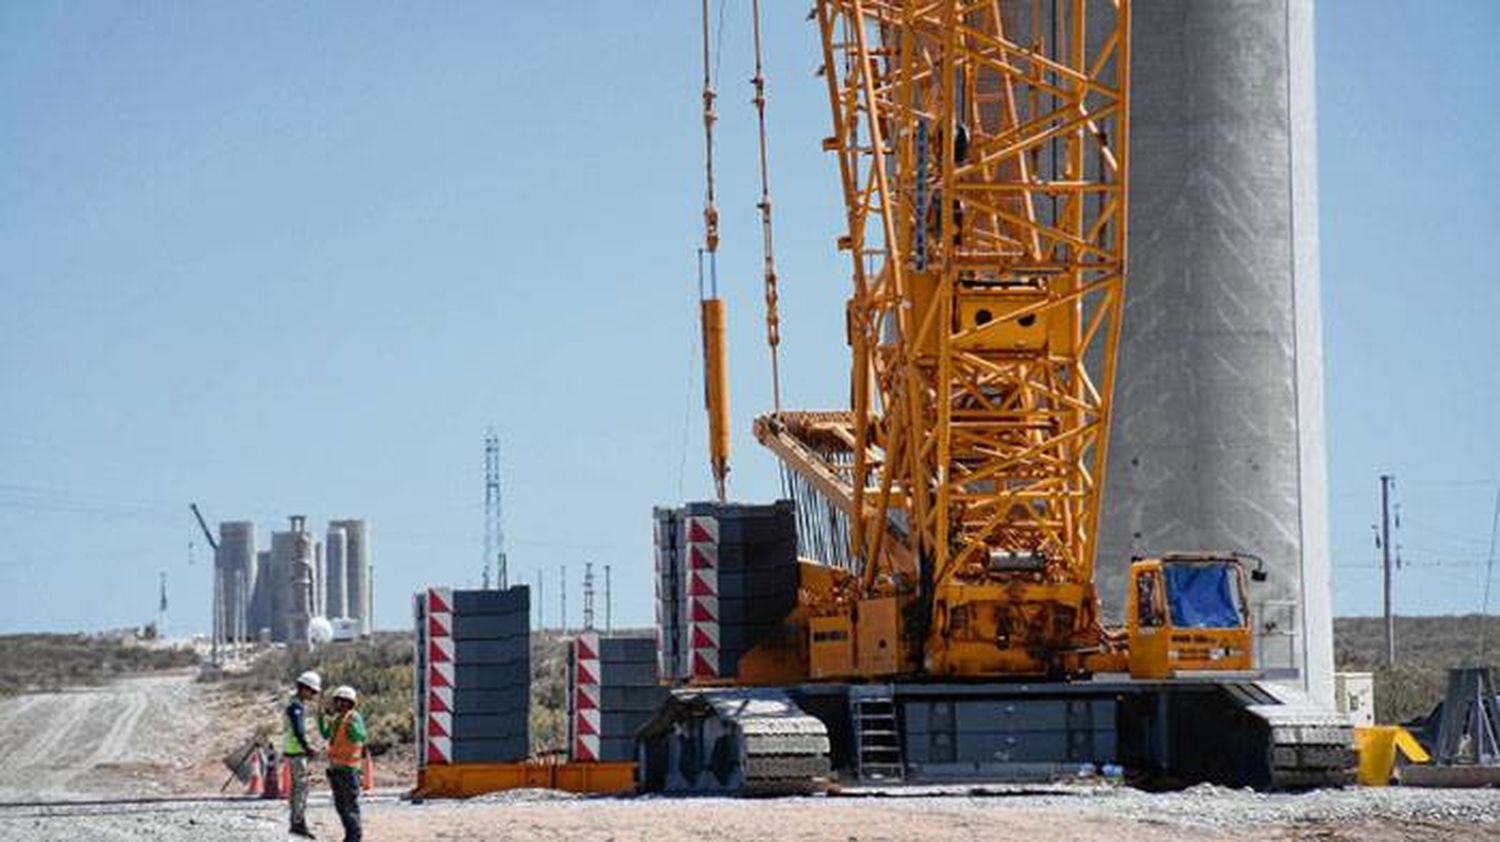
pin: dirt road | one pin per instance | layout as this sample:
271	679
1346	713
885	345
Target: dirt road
128	738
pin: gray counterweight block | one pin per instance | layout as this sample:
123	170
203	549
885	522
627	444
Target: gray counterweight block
505	750
492	651
612	649
512	601
513	699
490	626
515	673
490	726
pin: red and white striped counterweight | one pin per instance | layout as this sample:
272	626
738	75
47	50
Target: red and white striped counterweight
586	725
702	583
440	675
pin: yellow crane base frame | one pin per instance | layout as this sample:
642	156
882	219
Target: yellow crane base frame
465	780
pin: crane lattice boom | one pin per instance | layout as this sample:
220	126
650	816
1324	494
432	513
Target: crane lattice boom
982	154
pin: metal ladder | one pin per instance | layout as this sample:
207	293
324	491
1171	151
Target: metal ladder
877	738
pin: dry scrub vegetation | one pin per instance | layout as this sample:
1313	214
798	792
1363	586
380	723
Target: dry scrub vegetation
380	668
1425	648
51	661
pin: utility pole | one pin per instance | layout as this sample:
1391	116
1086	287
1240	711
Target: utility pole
161	610
588	596
562	593
1386	482
494	527
609	622
1489	575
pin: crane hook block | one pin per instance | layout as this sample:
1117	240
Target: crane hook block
716	388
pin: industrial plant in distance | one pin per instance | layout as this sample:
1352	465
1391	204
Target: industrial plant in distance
301	589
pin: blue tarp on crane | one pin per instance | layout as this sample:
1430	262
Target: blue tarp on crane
1202	596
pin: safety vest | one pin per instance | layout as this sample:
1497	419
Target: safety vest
289	744
343	751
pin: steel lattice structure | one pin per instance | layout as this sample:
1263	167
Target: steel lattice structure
981	147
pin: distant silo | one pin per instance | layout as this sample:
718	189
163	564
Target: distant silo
1217	439
260	596
292	565
237	567
335	563
319	577
357	571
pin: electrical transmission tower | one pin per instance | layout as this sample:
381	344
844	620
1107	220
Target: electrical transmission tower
494	528
588	596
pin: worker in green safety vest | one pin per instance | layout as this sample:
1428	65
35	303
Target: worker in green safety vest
297	747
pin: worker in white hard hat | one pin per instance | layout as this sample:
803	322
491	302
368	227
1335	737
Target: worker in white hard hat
298	749
344	729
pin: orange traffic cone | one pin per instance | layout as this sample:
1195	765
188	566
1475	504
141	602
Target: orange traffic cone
286	779
270	780
257	783
367	774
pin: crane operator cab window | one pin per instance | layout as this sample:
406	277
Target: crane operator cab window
1205	595
1148	600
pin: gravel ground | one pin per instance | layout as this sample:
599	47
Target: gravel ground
1092	814
135	761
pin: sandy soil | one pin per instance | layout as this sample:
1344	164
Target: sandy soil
138	760
136	736
1086	816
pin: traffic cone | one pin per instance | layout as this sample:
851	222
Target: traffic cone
286	779
367	774
271	780
257	783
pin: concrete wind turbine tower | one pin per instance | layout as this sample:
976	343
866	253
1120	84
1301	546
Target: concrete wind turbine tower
1218	436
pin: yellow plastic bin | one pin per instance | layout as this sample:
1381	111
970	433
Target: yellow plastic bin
1377	746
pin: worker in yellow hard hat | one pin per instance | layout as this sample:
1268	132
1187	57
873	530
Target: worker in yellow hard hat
298	749
344	729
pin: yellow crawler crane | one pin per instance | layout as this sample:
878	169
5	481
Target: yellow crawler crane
982	150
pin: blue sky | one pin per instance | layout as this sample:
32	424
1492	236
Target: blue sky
286	258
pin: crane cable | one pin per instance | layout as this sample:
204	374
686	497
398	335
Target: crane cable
710	212
711	307
773	318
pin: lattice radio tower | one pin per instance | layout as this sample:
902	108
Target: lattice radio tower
494	527
588	596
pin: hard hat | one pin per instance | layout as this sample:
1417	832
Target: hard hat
346	693
311	680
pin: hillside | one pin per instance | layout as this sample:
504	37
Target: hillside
1425	648
32	662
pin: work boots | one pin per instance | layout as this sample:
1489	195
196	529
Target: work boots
301	830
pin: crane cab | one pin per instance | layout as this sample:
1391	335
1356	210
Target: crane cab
1188	613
